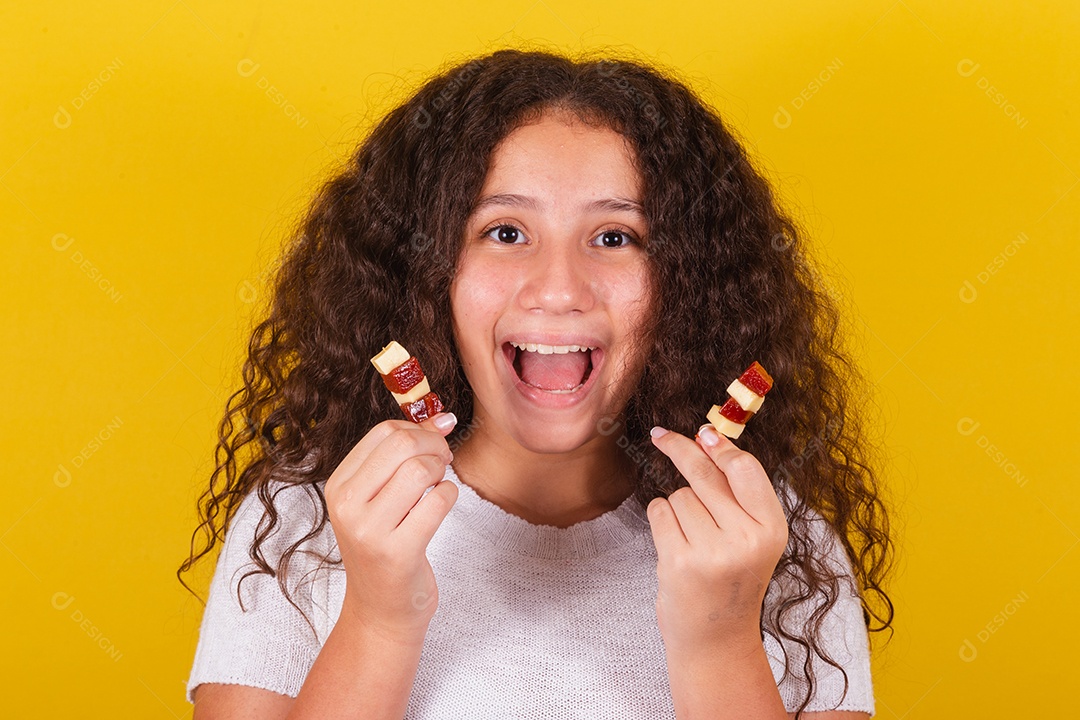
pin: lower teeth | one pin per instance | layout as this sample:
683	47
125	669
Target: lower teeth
558	392
563	392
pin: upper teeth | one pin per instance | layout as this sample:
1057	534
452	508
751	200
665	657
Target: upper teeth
550	349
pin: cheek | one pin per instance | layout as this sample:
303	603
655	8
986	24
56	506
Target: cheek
477	296
626	294
628	307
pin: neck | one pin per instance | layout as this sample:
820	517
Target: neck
558	489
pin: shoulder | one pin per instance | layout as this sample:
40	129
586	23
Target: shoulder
811	535
285	506
252	633
820	623
273	520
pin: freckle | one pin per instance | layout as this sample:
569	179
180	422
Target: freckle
735	587
714	616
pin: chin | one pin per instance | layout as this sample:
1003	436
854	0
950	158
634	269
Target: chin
553	439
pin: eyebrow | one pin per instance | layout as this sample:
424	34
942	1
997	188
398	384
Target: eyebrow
523	201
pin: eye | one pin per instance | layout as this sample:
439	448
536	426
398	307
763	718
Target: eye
613	234
508	233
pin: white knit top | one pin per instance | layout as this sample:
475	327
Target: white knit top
533	621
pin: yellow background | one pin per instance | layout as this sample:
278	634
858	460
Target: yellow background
921	142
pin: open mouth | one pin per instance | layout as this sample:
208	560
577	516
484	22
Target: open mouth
555	373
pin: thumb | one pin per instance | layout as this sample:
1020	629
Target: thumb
442	423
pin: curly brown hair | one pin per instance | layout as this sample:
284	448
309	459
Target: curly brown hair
374	255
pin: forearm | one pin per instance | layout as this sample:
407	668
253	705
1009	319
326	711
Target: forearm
359	673
733	681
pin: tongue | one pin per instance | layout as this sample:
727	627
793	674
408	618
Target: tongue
553	372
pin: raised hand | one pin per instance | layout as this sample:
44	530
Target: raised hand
717	541
383	522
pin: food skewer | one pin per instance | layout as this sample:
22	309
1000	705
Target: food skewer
404	378
747	396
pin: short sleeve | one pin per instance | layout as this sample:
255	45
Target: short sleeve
268	644
843	636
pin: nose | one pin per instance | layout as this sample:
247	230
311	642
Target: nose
558	280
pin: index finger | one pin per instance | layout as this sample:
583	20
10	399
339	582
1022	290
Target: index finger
704	476
744	477
363	449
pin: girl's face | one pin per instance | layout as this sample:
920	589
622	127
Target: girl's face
552	255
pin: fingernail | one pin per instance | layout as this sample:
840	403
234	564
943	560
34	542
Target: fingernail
708	435
658	432
445	420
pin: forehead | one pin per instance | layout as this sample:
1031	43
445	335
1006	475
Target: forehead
560	155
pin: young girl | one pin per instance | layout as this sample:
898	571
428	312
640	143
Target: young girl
582	258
